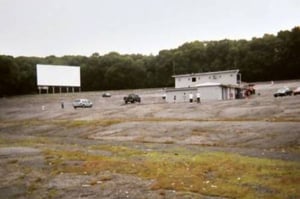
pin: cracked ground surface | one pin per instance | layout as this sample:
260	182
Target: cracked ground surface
115	150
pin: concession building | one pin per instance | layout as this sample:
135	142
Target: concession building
220	85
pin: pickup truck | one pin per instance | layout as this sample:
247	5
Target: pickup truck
132	98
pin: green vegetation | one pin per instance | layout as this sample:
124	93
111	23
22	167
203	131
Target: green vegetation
52	193
260	59
29	141
208	173
112	121
63	123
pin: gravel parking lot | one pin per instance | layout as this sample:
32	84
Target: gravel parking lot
42	146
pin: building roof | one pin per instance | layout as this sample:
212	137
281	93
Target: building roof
206	73
181	89
208	84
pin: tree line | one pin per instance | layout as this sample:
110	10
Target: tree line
271	57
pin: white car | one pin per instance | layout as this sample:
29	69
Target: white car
83	103
285	91
297	91
106	95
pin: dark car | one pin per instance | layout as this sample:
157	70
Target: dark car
106	95
132	98
249	90
283	92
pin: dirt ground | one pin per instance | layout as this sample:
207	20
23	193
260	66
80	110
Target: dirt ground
260	126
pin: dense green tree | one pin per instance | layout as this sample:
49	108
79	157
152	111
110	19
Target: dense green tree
125	74
9	76
271	57
27	74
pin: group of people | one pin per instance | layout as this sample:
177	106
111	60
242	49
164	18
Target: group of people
191	97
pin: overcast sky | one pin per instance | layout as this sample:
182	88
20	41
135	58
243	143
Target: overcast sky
82	27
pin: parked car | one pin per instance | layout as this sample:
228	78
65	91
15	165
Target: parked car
106	95
283	92
296	91
132	98
249	89
83	103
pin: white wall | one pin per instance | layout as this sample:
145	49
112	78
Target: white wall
207	93
181	96
210	93
57	75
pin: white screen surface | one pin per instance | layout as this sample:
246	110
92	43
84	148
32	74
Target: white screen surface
57	75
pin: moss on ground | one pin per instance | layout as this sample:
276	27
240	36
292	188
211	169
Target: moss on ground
112	121
209	173
29	142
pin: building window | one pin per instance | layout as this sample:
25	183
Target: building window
214	77
178	79
193	79
239	78
198	78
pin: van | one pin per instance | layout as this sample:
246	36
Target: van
82	103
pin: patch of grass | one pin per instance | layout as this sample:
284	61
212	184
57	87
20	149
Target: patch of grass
93	182
29	142
106	178
292	147
52	193
4	142
119	151
84	123
142	139
63	123
13	161
112	121
168	142
31	188
211	173
34	185
199	133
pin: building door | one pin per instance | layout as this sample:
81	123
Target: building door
224	93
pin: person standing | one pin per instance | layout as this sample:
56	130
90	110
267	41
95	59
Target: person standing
198	98
191	97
